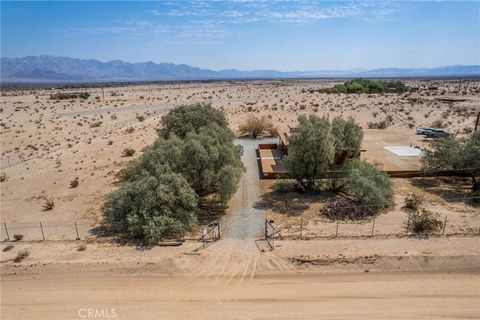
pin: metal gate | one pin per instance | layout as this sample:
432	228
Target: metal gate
270	232
211	232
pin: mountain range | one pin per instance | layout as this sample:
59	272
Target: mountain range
70	70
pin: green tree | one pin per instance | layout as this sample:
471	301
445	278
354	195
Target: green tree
208	160
155	206
311	150
366	184
190	118
347	135
460	154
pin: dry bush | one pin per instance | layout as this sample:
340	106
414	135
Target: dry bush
18	237
48	205
95	124
344	209
82	247
378	125
74	183
8	248
3	177
414	201
255	127
21	255
128	152
129	130
423	221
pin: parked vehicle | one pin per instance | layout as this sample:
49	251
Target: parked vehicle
423	130
436	133
432	132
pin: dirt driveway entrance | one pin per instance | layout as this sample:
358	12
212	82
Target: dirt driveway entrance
245	215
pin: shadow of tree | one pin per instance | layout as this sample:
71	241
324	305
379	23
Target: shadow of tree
292	203
450	189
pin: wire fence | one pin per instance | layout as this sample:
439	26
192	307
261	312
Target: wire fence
69	231
378	227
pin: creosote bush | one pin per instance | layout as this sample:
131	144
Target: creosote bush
18	237
128	152
255	127
48	205
74	183
345	209
414	201
423	221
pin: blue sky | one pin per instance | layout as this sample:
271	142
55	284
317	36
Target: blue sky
281	35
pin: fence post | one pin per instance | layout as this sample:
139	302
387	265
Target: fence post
444	225
408	225
301	228
373	226
218	226
41	228
76	230
6	230
336	232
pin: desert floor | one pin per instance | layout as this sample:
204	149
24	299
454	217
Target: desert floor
45	144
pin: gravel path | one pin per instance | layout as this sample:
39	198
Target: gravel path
245	216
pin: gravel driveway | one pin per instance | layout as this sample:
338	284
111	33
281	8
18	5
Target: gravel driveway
245	216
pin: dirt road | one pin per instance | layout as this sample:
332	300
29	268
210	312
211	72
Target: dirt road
353	296
245	216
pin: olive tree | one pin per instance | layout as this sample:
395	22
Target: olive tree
459	154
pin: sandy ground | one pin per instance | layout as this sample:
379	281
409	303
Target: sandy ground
231	279
360	296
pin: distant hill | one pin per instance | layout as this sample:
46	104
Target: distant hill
64	69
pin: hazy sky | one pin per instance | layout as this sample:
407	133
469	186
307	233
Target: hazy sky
248	35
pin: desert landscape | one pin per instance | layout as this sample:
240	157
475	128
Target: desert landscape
70	153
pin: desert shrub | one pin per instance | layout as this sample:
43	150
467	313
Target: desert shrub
140	118
18	237
129	130
155	206
345	209
128	152
255	126
3	177
95	124
190	118
21	255
82	247
8	248
378	125
66	96
74	183
368	185
423	221
48	205
414	201
459	154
